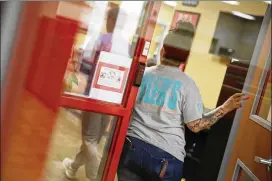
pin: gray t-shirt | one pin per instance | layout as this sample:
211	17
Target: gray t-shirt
166	100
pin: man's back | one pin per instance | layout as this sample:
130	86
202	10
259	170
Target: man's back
158	114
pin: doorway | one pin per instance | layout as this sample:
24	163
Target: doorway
68	28
219	61
100	82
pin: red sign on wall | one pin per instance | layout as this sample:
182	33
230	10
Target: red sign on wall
185	17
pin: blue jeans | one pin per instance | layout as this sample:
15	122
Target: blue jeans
141	161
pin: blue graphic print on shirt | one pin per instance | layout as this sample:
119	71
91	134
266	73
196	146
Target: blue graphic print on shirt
200	107
154	90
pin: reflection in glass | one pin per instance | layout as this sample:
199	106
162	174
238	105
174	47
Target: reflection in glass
243	176
111	28
84	138
264	107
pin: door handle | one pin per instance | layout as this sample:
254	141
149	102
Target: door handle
267	162
263	161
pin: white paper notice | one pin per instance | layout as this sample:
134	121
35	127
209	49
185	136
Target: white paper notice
110	77
146	48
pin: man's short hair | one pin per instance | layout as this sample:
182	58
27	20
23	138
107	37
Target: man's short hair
178	42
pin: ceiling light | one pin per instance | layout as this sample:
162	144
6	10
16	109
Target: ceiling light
170	3
268	2
243	15
231	2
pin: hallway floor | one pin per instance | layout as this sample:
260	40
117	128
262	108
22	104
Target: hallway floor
66	141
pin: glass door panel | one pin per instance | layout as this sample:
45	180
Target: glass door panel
82	137
98	69
101	65
102	54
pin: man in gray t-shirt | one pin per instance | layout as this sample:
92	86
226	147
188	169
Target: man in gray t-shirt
167	101
173	100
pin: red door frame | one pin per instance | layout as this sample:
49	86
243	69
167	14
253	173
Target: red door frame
21	77
124	110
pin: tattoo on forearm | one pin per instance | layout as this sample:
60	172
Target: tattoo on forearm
208	120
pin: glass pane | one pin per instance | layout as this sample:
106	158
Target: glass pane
243	176
102	54
264	107
81	139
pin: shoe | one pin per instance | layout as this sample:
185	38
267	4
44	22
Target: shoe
70	173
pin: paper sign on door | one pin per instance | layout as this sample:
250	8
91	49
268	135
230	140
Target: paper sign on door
146	48
110	77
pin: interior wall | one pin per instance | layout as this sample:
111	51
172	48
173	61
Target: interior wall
207	69
166	13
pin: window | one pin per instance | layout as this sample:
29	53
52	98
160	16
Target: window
243	173
264	106
261	111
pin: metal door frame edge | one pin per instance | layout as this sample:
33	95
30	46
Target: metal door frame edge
10	17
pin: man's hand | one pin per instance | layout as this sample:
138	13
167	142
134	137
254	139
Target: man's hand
234	102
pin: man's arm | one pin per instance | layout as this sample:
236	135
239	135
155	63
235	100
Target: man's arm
208	120
212	117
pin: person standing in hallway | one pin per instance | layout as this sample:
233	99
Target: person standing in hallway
94	124
167	100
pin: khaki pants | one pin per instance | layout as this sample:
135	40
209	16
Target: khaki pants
93	128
